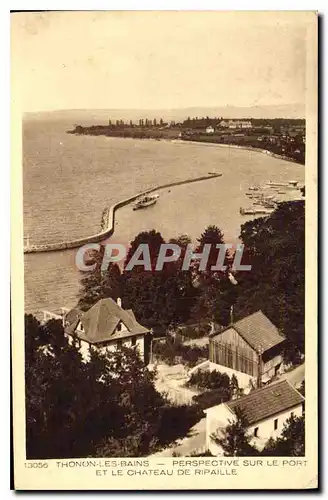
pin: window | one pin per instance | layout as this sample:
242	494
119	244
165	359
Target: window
133	341
119	344
80	327
275	423
256	431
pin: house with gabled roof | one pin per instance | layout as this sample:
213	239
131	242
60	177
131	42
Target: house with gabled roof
250	348
107	327
264	410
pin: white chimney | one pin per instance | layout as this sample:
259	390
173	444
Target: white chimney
119	301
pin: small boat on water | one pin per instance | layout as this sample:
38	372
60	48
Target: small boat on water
276	184
145	202
149	196
289	184
255	211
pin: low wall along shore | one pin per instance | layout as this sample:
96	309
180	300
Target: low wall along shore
109	230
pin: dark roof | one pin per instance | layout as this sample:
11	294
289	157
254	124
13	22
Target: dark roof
73	315
267	402
258	331
101	320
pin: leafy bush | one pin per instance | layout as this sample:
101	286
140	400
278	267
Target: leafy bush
219	387
291	442
176	420
192	355
209	380
172	349
194	332
212	398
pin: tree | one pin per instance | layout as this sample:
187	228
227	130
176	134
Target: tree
108	406
291	443
98	284
212	236
72	407
276	283
216	293
234	439
214	301
153	239
159	298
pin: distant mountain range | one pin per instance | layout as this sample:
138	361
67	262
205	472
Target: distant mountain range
101	116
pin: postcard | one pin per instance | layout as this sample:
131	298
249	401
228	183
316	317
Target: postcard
164	250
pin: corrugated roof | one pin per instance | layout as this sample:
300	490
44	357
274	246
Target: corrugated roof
258	331
101	320
267	401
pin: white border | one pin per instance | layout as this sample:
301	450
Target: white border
5	134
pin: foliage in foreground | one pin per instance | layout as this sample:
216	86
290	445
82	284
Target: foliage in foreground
107	407
236	441
291	442
275	248
173	350
218	387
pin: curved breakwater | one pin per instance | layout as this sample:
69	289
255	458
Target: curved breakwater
108	220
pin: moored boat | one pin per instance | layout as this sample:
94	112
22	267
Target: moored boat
255	211
144	203
289	184
276	184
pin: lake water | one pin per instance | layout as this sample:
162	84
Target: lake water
68	181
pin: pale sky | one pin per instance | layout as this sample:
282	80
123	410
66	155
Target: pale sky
156	60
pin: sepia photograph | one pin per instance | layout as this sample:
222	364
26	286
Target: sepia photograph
164	306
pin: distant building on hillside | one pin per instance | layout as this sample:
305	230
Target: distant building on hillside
235	124
250	348
108	327
265	411
223	124
210	129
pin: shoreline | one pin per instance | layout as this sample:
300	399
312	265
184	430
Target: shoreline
244	148
202	143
